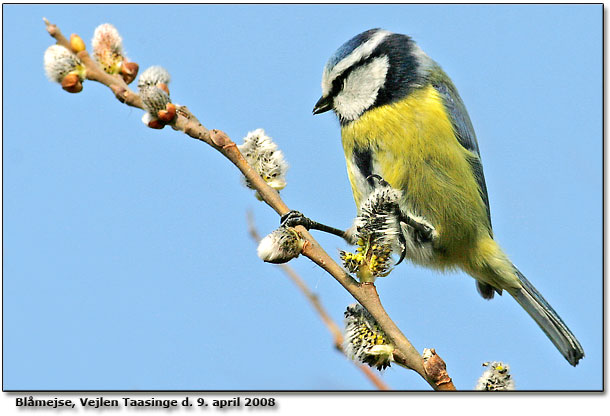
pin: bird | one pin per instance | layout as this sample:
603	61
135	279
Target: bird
402	120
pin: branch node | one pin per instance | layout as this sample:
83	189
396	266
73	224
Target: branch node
186	113
306	244
220	138
119	92
436	370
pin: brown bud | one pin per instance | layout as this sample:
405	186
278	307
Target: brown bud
129	71
220	138
71	83
163	87
76	43
436	370
168	114
156	124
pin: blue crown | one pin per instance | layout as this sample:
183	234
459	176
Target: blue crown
349	46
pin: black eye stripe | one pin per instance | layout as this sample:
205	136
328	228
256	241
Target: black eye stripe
338	81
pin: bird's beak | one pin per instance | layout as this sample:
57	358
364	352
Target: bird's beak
323	105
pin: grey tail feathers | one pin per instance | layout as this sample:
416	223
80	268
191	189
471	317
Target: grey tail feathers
548	320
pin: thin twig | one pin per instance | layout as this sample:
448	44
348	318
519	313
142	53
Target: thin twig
317	305
186	122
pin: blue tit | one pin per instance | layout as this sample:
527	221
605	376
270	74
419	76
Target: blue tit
403	120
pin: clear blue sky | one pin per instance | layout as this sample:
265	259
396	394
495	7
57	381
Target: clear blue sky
127	263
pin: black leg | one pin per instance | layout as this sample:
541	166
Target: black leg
294	218
424	233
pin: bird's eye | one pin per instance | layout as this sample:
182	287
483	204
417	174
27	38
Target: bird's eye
338	83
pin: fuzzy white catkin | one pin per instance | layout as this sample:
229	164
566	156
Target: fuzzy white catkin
154	99
106	38
280	246
364	341
377	233
108	48
496	377
264	156
153	76
378	214
59	61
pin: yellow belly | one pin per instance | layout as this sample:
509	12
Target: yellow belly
415	149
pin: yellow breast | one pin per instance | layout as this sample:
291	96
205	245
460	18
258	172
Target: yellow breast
414	148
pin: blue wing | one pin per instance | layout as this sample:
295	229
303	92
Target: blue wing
467	138
465	135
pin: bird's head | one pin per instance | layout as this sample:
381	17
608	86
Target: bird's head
374	68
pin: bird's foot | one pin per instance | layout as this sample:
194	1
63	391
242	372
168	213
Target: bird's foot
382	182
294	218
424	232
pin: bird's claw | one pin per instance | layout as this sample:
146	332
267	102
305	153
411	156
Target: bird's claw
294	218
403	246
382	182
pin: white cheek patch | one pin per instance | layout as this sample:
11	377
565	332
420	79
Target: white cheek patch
360	88
361	52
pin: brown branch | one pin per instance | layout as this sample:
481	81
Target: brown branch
317	305
186	122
